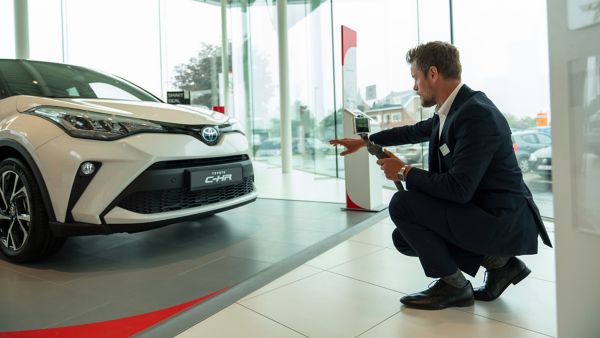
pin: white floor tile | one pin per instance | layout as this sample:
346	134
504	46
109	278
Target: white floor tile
389	269
327	305
409	323
302	185
297	185
299	273
530	304
237	321
542	265
378	234
342	253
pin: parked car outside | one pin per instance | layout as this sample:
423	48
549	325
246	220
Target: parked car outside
310	146
591	134
82	153
410	153
540	162
526	142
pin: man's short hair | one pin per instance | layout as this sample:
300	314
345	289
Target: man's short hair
442	55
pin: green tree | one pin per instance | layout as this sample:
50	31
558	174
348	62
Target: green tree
200	74
516	122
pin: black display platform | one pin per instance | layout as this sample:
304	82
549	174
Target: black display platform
99	278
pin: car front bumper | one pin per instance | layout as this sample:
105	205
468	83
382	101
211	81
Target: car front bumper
140	170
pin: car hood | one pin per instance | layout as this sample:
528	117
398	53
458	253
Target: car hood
153	111
544	152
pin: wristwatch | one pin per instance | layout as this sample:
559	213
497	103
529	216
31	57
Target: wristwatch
400	173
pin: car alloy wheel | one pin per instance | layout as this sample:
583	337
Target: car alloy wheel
15	212
24	232
524	164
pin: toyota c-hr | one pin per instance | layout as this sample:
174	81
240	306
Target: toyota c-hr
83	153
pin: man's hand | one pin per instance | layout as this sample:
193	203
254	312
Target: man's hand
351	144
390	166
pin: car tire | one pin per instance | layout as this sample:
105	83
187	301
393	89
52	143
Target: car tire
547	176
25	235
524	164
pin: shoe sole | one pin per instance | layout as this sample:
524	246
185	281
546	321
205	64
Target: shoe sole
462	303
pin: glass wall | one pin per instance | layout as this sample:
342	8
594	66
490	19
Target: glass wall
260	44
241	99
176	44
173	44
118	36
7	29
311	86
434	24
434	20
311	83
508	60
45	30
192	50
386	30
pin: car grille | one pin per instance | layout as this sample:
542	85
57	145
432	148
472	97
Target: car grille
150	202
198	162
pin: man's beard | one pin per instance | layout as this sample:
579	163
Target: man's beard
427	102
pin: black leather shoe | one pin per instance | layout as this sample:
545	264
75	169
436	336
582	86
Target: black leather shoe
497	280
440	296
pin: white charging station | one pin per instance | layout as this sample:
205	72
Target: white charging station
363	175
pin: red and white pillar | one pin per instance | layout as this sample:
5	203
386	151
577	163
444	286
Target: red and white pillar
363	176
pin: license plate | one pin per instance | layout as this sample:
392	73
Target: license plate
544	167
206	179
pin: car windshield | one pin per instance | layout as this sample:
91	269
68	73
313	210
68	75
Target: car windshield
23	77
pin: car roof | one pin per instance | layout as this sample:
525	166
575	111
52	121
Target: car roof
46	62
528	131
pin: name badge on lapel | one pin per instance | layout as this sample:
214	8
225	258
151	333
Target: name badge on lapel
444	149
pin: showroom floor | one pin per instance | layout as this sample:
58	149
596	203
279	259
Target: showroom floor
332	273
353	289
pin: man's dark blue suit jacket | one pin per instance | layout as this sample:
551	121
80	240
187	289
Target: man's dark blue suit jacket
490	209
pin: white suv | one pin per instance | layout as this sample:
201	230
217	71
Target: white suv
85	153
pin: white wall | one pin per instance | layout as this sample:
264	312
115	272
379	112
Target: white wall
577	252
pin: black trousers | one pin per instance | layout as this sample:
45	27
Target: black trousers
422	231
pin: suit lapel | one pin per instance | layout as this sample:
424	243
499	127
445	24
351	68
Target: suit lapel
434	159
436	139
434	142
462	96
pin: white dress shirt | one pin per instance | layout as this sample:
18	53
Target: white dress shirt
445	108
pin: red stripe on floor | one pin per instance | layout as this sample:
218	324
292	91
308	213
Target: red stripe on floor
122	327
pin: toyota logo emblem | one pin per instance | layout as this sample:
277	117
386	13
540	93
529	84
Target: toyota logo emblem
210	134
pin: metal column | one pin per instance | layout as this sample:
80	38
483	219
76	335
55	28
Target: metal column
225	56
247	62
284	95
21	29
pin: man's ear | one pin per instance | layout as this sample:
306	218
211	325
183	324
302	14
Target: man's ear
433	73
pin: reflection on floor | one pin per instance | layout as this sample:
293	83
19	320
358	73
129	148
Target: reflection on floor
353	289
292	186
99	278
297	185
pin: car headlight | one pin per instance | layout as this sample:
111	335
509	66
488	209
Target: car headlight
231	126
93	125
532	158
